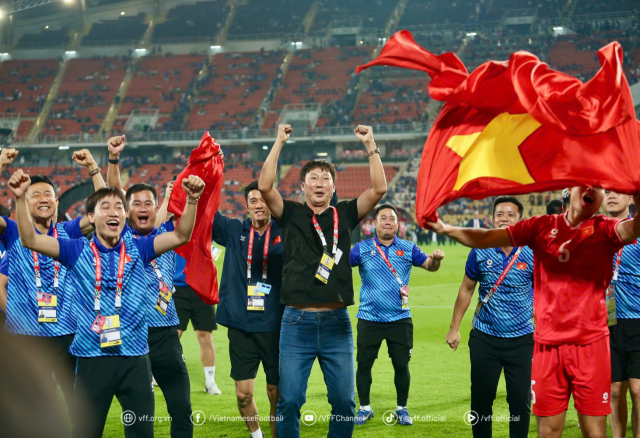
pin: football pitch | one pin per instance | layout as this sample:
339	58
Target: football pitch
440	383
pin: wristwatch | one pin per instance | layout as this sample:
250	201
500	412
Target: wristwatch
375	151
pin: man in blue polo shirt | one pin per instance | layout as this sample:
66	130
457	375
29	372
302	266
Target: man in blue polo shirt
502	328
250	302
623	307
385	264
39	291
111	304
165	351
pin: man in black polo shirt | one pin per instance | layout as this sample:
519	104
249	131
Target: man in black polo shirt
250	302
317	284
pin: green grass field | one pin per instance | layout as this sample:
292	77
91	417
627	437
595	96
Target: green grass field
440	385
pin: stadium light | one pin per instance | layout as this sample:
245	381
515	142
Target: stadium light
1	14
68	1
216	47
472	33
558	28
297	43
322	154
122	13
63	148
266	148
47	26
70	52
141	50
4	54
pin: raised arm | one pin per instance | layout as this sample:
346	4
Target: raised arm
465	293
161	217
268	175
85	159
368	200
7	155
479	238
630	230
115	145
193	187
40	243
433	261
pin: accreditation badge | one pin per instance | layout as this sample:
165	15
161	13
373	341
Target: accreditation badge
476	313
164	298
610	300
47	307
110	334
324	268
255	299
404	294
263	288
215	252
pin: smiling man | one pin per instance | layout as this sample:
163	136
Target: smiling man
112	303
39	291
385	264
317	285
623	306
502	330
572	256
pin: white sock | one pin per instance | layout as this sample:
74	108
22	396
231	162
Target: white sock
400	407
210	375
366	408
256	434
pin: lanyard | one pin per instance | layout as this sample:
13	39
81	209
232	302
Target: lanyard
321	234
154	265
56	268
502	277
618	258
386	260
265	253
119	278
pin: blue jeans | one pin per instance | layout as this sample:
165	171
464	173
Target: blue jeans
304	337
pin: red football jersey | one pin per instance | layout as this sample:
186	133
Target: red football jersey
572	269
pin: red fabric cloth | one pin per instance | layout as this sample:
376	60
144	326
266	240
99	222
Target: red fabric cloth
201	273
587	133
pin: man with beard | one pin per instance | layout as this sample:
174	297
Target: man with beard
502	330
385	264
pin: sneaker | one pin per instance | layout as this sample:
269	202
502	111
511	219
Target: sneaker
213	389
363	416
403	417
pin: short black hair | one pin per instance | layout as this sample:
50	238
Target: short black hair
43	179
141	187
253	185
382	207
318	163
508	200
555	207
5	211
97	196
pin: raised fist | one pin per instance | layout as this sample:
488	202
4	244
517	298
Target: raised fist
7	156
284	131
84	158
365	135
115	145
19	183
193	186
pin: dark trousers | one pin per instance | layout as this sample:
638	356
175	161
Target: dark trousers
170	371
100	378
489	356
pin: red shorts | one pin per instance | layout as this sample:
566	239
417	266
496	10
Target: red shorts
558	371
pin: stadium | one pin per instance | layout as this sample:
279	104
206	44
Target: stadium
75	73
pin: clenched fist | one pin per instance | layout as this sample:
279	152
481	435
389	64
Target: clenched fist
7	156
284	131
115	145
19	183
84	158
365	135
193	186
437	254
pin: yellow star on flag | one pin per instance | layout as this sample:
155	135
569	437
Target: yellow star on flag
494	152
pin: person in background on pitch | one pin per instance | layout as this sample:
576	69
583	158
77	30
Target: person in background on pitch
572	257
385	264
111	303
165	351
502	329
317	283
250	302
623	308
555	206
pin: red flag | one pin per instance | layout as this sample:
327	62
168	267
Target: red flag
517	126
201	273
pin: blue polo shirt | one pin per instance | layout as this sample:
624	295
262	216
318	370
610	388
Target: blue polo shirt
22	305
627	290
179	277
380	299
166	265
232	311
509	312
136	304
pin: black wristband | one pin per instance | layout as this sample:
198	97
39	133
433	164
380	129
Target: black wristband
116	161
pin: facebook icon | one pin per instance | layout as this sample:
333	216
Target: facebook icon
198	418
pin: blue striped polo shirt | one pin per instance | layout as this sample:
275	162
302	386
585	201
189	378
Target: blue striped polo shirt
627	291
509	312
380	299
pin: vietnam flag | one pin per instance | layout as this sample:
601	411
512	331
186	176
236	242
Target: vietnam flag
517	126
201	273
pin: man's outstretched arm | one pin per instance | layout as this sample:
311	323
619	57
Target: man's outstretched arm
115	145
630	230
270	194
368	200
473	237
7	155
85	159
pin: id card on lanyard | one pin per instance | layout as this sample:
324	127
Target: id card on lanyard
47	303
108	326
328	260
610	297
495	287
404	290
256	292
165	292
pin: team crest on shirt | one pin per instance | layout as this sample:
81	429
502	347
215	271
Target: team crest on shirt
242	238
489	263
373	252
553	234
400	253
276	240
587	231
